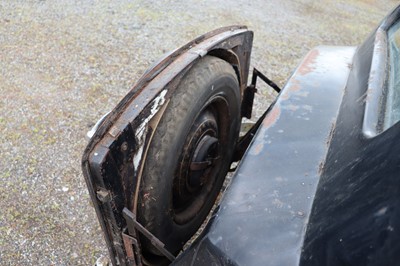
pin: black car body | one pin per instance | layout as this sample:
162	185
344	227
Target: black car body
318	184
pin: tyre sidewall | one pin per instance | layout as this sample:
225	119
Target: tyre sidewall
173	235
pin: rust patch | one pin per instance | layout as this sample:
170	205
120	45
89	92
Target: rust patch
308	64
258	148
272	117
269	120
294	86
284	96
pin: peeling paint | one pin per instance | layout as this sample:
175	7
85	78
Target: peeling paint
294	86
309	63
258	148
200	52
292	107
272	117
307	107
303	93
138	156
142	129
284	96
268	121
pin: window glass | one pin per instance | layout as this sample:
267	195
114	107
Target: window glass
392	114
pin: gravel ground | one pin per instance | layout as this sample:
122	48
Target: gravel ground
65	63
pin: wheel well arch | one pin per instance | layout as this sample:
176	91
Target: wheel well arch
230	57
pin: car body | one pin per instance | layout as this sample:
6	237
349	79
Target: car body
318	181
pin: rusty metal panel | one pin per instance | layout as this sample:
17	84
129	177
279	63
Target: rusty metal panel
114	157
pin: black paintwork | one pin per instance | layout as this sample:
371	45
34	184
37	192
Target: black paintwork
355	218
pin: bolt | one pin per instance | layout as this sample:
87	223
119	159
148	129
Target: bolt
124	146
103	195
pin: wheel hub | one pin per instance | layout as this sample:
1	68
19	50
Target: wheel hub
204	156
195	174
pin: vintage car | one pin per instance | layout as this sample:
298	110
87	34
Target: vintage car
318	178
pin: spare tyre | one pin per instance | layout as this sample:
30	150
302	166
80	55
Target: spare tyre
189	155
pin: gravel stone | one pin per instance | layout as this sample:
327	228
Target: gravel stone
65	63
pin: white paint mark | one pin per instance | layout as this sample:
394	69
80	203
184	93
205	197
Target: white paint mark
142	129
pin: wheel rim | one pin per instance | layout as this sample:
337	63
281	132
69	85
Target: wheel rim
199	163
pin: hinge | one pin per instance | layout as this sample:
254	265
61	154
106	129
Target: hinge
132	249
131	239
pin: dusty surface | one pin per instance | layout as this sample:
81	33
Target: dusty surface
65	63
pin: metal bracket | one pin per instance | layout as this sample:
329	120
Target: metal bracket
130	219
248	94
133	254
258	74
247	107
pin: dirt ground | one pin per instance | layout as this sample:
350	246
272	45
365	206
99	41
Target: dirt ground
65	63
